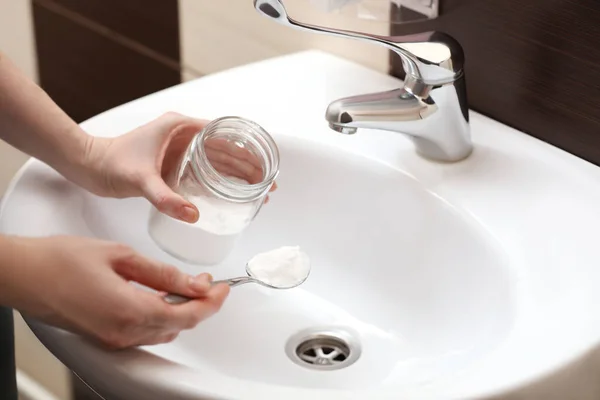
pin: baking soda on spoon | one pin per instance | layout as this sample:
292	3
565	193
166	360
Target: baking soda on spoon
284	267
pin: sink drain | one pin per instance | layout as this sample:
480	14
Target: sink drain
323	349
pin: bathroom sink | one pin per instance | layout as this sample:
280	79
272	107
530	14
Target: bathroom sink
476	279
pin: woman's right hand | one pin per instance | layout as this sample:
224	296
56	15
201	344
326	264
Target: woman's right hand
81	284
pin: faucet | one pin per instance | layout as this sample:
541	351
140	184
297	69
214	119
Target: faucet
430	107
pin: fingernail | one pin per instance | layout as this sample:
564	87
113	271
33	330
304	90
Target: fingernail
188	214
200	284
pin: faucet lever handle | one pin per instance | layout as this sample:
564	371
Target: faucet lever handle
433	58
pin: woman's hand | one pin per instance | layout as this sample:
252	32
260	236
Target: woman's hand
81	285
127	166
136	164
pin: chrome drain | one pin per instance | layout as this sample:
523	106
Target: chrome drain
323	349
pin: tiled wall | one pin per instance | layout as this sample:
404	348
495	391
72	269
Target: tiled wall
94	55
217	35
533	65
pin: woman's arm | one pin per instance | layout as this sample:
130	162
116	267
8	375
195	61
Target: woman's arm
122	167
33	123
129	165
82	285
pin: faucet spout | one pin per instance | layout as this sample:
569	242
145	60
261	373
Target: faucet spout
378	110
436	122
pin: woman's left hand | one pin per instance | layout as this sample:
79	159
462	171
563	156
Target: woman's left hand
136	163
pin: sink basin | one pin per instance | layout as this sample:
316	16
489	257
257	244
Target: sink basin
429	281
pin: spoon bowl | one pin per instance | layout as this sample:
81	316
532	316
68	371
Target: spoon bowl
255	279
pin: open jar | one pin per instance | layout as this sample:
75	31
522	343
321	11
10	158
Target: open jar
226	172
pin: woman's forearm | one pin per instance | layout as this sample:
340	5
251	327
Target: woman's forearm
33	123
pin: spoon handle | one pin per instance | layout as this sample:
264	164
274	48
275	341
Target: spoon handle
232	282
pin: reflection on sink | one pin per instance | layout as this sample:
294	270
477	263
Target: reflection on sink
455	281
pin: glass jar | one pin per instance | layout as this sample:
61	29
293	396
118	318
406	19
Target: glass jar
226	172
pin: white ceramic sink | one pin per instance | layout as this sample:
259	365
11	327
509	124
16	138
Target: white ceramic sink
451	281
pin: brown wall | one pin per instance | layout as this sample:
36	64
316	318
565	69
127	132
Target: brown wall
532	64
94	55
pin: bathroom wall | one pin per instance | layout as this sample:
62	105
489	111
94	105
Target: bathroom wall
534	65
16	40
93	55
96	54
217	35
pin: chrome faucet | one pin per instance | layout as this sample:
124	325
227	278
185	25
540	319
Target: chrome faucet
431	106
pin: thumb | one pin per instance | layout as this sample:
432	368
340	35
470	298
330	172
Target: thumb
157	192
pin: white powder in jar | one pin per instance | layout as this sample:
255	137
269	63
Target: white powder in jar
221	217
284	267
211	238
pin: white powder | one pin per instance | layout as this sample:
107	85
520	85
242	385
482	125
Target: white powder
222	217
284	267
211	238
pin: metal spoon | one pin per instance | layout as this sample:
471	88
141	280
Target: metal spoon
172	298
